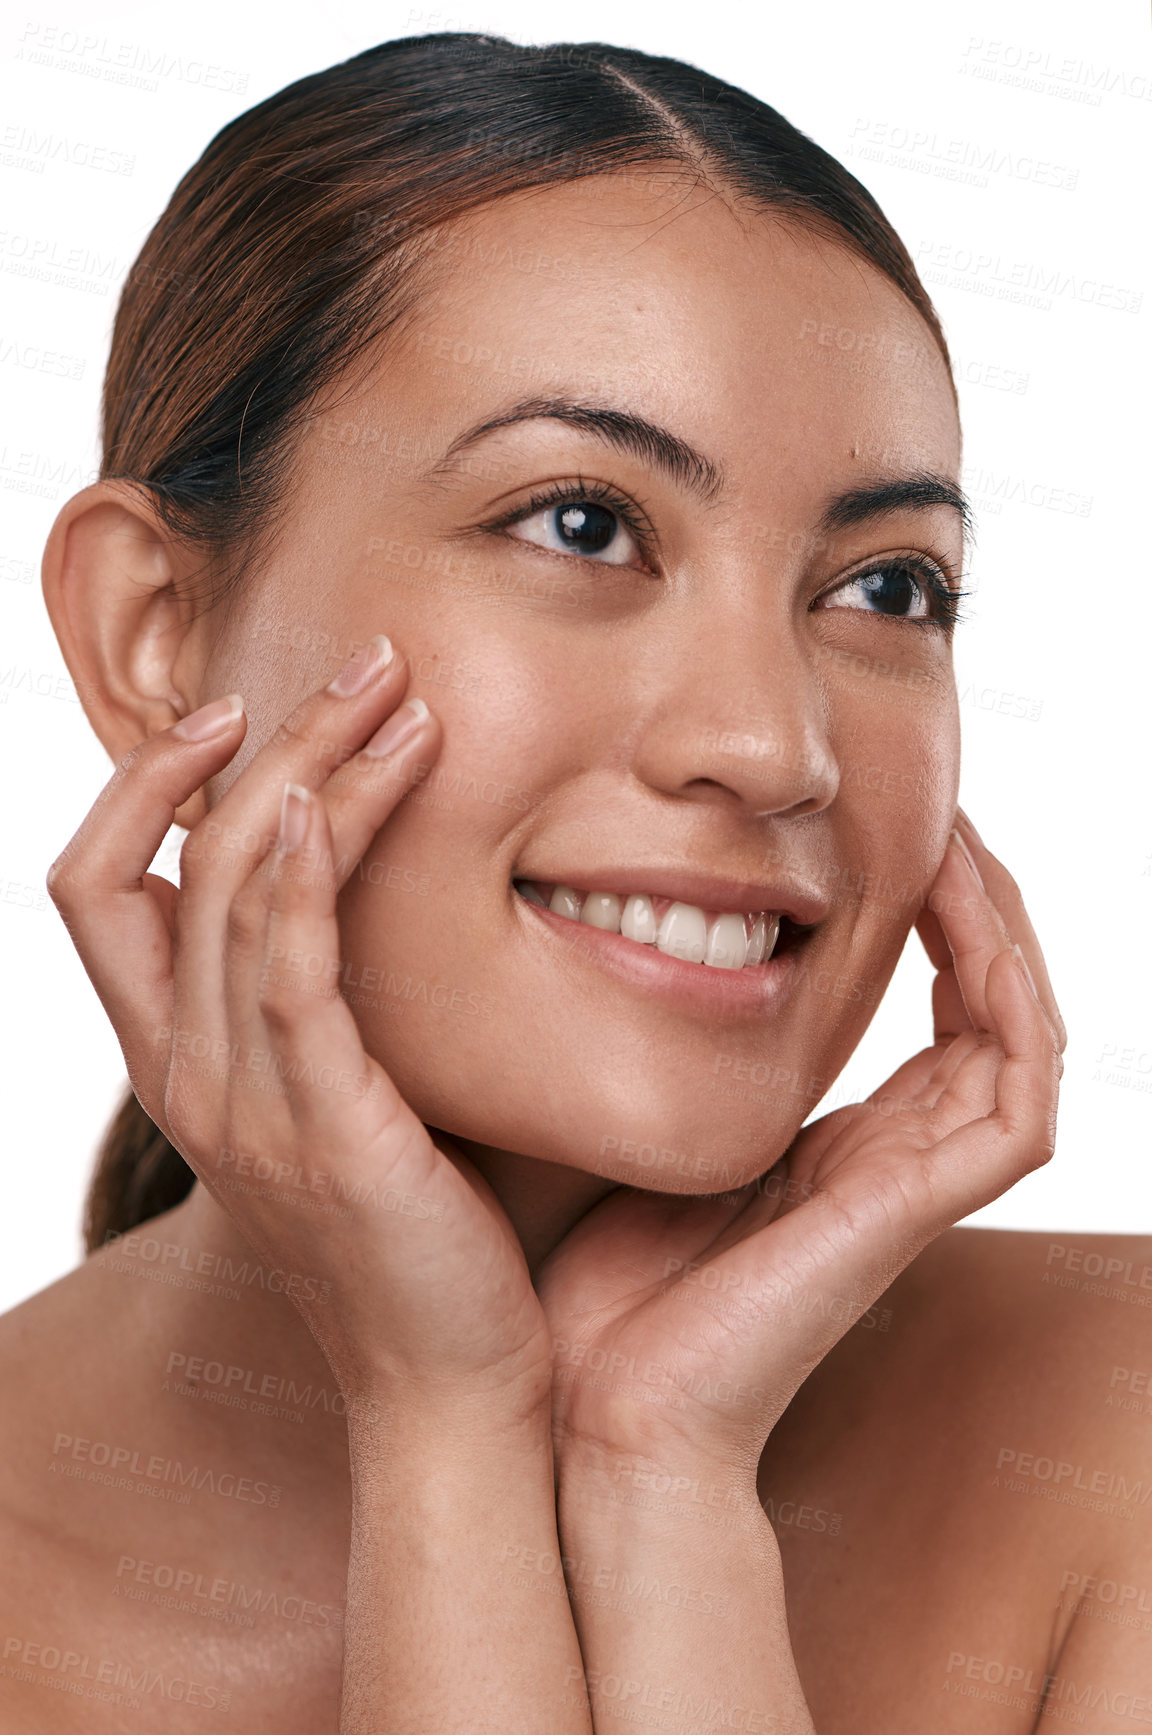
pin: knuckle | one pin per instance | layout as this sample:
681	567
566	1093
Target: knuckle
246	921
282	1001
293	730
61	877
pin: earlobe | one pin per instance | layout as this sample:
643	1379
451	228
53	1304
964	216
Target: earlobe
111	576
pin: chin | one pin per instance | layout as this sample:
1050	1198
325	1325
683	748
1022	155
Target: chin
705	1141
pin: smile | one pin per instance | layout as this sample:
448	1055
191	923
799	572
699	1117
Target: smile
716	939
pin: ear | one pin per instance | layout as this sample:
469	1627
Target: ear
112	579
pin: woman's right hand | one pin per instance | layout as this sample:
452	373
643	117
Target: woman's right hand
225	998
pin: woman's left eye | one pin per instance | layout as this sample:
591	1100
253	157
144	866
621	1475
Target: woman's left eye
582	527
899	589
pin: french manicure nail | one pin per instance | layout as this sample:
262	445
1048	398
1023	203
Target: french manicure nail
368	662
295	810
397	728
211	719
968	856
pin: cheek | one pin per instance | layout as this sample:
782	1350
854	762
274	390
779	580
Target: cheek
898	743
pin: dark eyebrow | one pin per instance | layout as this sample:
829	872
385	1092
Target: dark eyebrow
920	490
620	428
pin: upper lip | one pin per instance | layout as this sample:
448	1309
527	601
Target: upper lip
801	903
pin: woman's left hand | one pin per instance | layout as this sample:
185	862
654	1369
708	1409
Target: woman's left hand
689	1323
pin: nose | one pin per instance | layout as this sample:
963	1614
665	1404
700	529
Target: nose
736	715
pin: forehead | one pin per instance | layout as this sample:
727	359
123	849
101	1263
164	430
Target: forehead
743	332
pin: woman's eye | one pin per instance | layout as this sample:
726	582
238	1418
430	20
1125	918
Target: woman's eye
889	590
579	527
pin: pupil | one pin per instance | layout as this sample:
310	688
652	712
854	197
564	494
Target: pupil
894	590
586	526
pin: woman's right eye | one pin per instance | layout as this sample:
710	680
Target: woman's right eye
583	527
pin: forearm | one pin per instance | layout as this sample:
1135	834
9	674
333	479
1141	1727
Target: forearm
441	1632
678	1594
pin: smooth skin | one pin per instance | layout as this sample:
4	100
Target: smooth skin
538	1360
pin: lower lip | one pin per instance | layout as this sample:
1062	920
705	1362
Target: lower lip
757	990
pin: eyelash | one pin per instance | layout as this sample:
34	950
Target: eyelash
935	577
630	515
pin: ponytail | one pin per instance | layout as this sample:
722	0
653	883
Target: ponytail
138	1175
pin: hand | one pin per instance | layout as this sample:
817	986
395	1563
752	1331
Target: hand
694	1321
252	1066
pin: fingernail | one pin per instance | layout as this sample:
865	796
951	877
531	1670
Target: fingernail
1020	959
396	728
369	661
211	719
968	857
295	810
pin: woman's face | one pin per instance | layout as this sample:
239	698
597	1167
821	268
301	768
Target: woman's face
677	653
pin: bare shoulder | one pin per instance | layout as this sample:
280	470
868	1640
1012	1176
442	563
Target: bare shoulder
965	1486
1055	1329
1038	1346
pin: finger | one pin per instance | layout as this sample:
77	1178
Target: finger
365	792
306	1022
215	930
949	1013
1009	900
972	926
917	1084
119	915
932	934
998	1113
993	1122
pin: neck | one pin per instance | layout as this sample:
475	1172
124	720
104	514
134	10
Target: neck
198	1247
542	1201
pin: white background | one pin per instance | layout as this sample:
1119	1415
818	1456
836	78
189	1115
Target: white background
1005	141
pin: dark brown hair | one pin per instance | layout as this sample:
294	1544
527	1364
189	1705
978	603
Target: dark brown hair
294	245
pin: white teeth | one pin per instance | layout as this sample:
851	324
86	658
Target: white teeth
763	938
727	943
639	920
566	902
683	933
601	910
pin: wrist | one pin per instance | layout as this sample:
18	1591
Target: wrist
668	1488
443	1423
